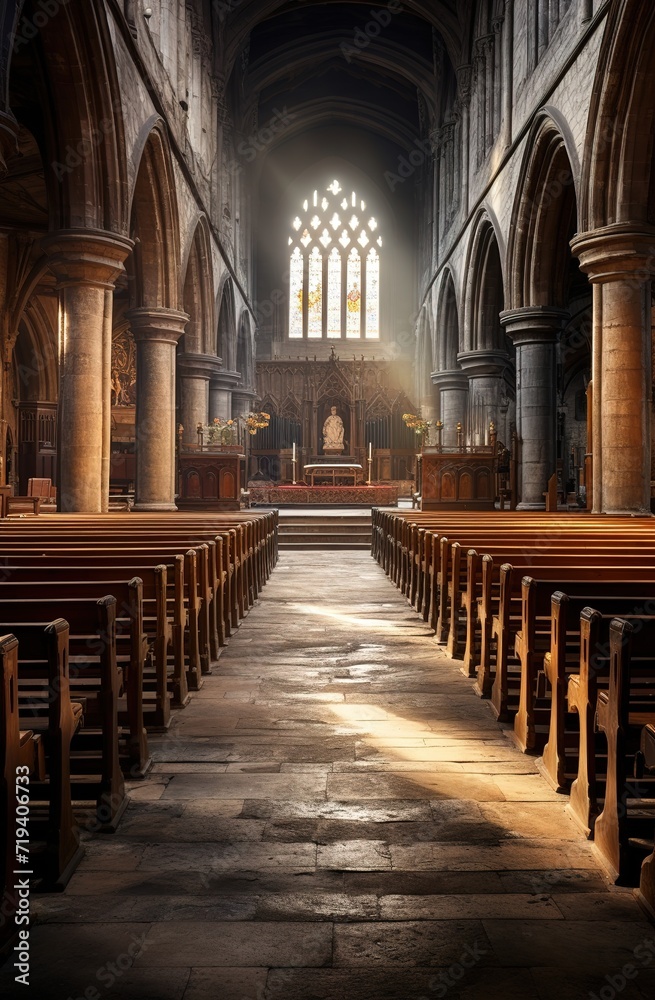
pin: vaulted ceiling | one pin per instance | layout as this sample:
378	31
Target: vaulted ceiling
378	67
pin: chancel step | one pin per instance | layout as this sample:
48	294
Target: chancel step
325	531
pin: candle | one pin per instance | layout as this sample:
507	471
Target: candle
370	451
294	451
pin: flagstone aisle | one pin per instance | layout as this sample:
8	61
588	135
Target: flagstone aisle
337	815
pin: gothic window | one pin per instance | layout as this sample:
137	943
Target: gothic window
373	295
334	275
354	296
334	294
296	294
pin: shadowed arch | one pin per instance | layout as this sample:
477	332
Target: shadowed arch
155	226
543	222
227	329
617	180
485	296
448	341
198	293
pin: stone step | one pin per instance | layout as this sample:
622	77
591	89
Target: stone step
342	539
323	546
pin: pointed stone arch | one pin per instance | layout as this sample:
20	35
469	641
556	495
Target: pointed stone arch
198	292
544	221
155	225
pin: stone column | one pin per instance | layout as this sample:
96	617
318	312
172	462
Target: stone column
453	388
220	394
86	264
242	402
485	371
508	73
534	331
620	262
156	332
195	372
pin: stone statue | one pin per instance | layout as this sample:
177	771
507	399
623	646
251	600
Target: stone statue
333	432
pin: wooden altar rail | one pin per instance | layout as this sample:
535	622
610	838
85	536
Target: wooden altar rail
496	578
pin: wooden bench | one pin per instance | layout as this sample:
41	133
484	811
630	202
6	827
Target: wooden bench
623	829
45	707
94	680
18	748
131	647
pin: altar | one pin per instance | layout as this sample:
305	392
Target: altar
337	470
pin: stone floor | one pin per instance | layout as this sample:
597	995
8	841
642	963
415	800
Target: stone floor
337	815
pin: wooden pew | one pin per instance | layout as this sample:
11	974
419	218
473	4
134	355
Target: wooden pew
94	681
563	633
45	707
507	623
130	653
622	710
18	748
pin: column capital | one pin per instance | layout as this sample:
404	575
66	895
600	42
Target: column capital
455	379
244	394
226	380
86	256
201	366
534	324
157	325
480	363
617	252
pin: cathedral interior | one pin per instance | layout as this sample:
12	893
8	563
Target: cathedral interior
327	468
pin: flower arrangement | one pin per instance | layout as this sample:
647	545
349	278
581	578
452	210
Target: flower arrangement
417	423
257	422
218	432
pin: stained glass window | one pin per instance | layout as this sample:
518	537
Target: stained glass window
296	293
354	295
334	295
330	237
315	295
372	295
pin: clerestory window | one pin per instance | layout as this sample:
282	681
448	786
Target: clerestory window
334	274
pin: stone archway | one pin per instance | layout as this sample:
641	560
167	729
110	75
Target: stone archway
486	359
545	286
195	361
156	321
450	379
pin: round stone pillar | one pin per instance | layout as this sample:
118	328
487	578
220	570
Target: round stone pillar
620	263
195	371
220	394
156	332
242	402
453	388
86	264
534	331
485	371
